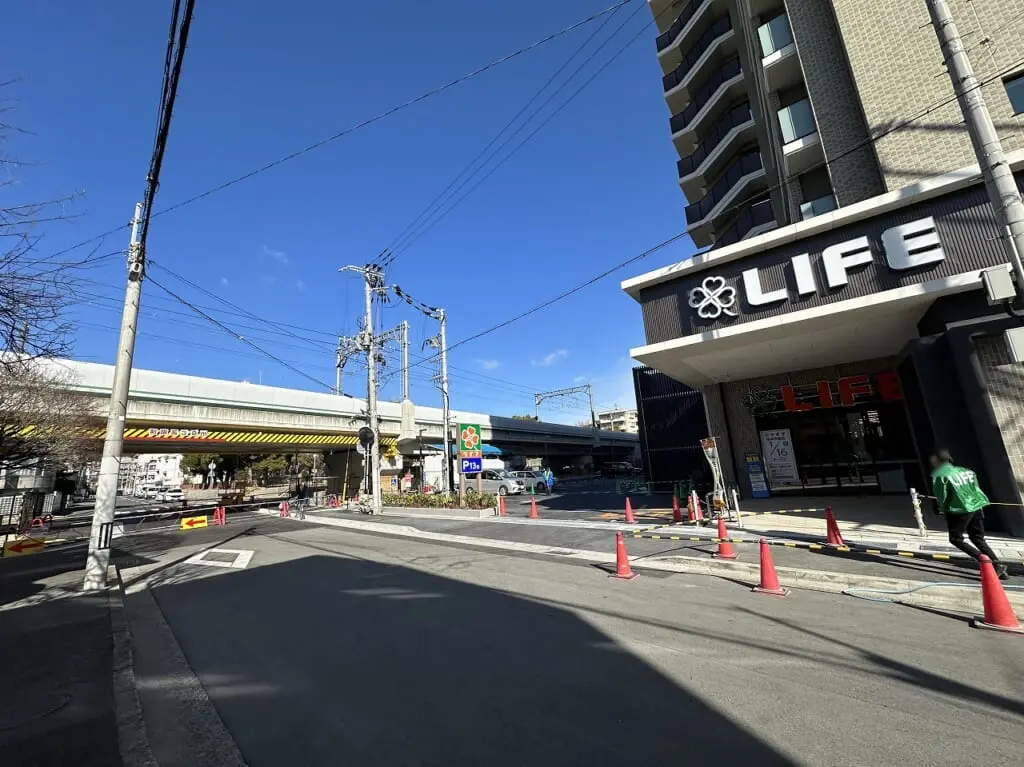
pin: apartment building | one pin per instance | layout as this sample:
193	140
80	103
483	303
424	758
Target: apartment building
838	326
618	420
782	110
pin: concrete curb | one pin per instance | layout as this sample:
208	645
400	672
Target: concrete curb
132	738
964	598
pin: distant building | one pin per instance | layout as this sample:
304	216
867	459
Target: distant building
618	420
150	469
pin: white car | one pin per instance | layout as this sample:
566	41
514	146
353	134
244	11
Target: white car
170	495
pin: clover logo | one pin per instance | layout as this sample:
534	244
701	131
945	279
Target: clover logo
470	438
713	298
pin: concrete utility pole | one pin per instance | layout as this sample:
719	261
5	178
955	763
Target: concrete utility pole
446	416
373	277
999	181
113	443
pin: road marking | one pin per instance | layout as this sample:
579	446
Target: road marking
23	547
242	557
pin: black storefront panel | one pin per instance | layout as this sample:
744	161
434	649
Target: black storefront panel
672	422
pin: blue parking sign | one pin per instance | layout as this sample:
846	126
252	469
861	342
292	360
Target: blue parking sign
472	465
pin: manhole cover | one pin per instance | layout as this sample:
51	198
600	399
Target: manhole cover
31	709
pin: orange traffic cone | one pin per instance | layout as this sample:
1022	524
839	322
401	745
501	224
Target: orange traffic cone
677	515
501	506
835	538
725	549
630	520
769	580
999	616
533	509
622	569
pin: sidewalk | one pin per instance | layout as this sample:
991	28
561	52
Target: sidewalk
884	521
58	697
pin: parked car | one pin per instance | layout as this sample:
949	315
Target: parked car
535	480
495	482
619	469
151	492
170	495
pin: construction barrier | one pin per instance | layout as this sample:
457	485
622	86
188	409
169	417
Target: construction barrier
220	516
285	509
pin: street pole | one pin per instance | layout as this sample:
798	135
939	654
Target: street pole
110	465
405	359
446	465
373	280
999	181
337	370
590	396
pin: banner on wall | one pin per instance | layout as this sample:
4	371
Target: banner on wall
779	458
755	473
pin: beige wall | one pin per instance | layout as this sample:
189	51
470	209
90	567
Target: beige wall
897	65
1005	382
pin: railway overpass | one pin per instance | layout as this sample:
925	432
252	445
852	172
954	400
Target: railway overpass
174	413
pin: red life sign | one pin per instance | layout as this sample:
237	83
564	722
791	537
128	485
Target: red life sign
847	392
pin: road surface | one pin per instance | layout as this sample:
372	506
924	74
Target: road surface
332	647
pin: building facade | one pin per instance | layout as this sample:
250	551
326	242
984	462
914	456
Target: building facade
837	327
782	110
624	420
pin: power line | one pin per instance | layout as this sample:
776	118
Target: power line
679	235
440	197
439	215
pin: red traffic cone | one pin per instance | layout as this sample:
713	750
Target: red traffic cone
677	515
769	580
725	549
999	616
533	508
501	506
630	520
835	538
622	569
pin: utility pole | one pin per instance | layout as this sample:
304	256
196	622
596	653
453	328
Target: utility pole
405	359
445	405
373	278
110	465
999	181
347	346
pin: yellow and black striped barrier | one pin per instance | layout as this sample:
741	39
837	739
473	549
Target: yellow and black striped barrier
847	549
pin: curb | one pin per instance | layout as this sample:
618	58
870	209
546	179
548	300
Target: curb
132	737
965	598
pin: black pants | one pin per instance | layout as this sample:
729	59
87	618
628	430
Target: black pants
974	525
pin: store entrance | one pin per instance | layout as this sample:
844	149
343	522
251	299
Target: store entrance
861	449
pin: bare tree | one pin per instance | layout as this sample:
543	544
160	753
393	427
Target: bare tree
41	420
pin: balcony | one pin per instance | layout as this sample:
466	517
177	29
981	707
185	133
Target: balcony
677	38
779	60
817	207
706	158
718	41
753	219
801	146
699	216
727	81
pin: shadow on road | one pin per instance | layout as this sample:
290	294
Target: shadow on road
332	660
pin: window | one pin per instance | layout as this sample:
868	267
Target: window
775	35
817	207
1015	92
796	121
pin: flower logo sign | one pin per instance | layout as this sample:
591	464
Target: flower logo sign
713	298
469	439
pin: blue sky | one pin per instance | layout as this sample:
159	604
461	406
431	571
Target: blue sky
261	79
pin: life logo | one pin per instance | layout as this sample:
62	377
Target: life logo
908	246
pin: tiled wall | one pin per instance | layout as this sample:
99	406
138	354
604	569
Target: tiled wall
1005	383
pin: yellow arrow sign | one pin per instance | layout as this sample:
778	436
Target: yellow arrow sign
191	523
23	546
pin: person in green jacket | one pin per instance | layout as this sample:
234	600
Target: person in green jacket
962	502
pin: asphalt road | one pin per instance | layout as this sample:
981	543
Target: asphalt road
338	648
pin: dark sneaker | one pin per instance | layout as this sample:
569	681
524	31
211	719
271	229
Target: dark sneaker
1002	572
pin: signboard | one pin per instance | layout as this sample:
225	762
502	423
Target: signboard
470	440
755	473
192	523
22	546
779	459
471	465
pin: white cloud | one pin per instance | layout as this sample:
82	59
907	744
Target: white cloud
224	281
550	359
489	364
278	255
301	286
580	380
